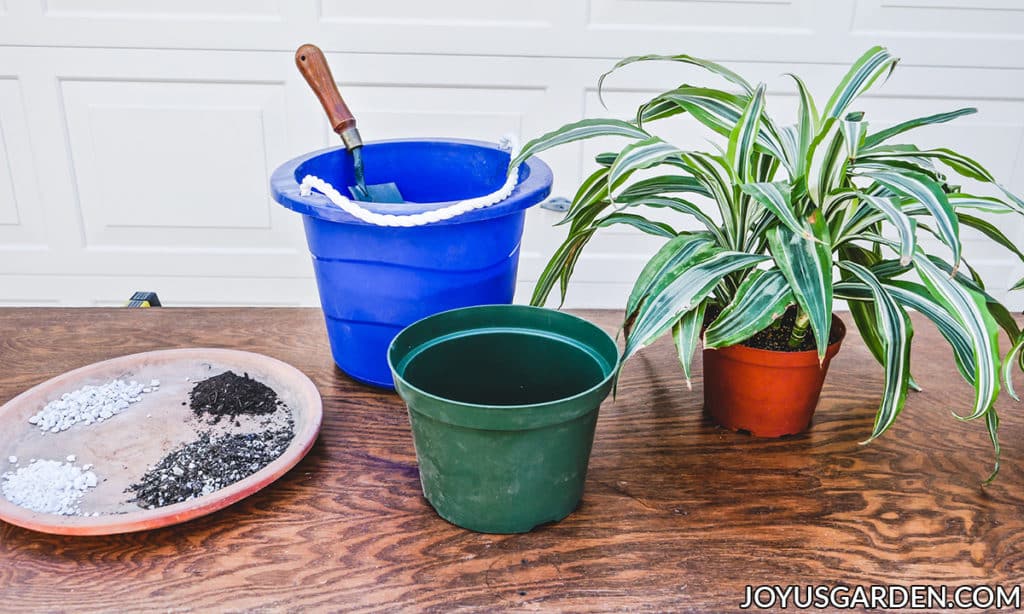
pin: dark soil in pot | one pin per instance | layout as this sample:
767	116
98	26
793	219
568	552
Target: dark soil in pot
776	336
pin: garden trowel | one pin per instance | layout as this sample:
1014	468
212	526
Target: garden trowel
313	66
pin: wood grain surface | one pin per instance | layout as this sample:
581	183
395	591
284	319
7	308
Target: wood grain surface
677	515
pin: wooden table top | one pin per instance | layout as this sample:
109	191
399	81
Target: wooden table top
677	514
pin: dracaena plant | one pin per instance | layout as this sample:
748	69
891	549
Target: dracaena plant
799	215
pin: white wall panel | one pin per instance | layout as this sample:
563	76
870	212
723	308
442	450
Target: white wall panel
943	18
500	15
176	24
775	30
174	163
430	110
779	16
136	138
9	215
164	10
21	221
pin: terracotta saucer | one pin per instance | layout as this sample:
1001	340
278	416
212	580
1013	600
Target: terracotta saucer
124	446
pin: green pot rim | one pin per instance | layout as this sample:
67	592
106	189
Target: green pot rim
505	318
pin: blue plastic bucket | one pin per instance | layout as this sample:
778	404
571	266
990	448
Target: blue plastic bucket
375	280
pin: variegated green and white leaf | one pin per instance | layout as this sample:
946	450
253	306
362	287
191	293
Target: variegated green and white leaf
896	333
776	198
743	136
854	128
826	163
657	229
806	127
640	155
553	271
959	202
575	252
862	308
761	299
900	128
917	297
1012	359
875	62
717	110
958	162
976	321
807	265
992	424
708	65
658	108
925	191
683	206
577	240
1014	200
991	231
677	250
720	111
593	189
922	166
887	270
789	138
685	333
866	321
903	223
679	290
973	284
766	167
714	173
658	186
578	131
979	203
846	215
841	208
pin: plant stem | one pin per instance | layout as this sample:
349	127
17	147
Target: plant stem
799	328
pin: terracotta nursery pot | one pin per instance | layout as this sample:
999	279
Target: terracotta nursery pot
766	392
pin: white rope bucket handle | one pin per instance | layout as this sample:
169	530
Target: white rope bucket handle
353	208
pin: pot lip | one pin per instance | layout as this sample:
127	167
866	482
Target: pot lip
517	410
533	186
776	358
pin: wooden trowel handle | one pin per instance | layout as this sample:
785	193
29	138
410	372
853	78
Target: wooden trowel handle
313	66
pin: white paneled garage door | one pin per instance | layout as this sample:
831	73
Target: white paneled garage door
136	137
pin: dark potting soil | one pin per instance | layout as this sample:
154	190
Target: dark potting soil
776	336
232	395
218	459
208	464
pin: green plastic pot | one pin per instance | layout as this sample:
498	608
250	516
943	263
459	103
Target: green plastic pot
503	401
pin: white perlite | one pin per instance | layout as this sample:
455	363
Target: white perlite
89	404
48	486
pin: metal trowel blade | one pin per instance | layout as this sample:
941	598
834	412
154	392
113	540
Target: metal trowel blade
377	193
